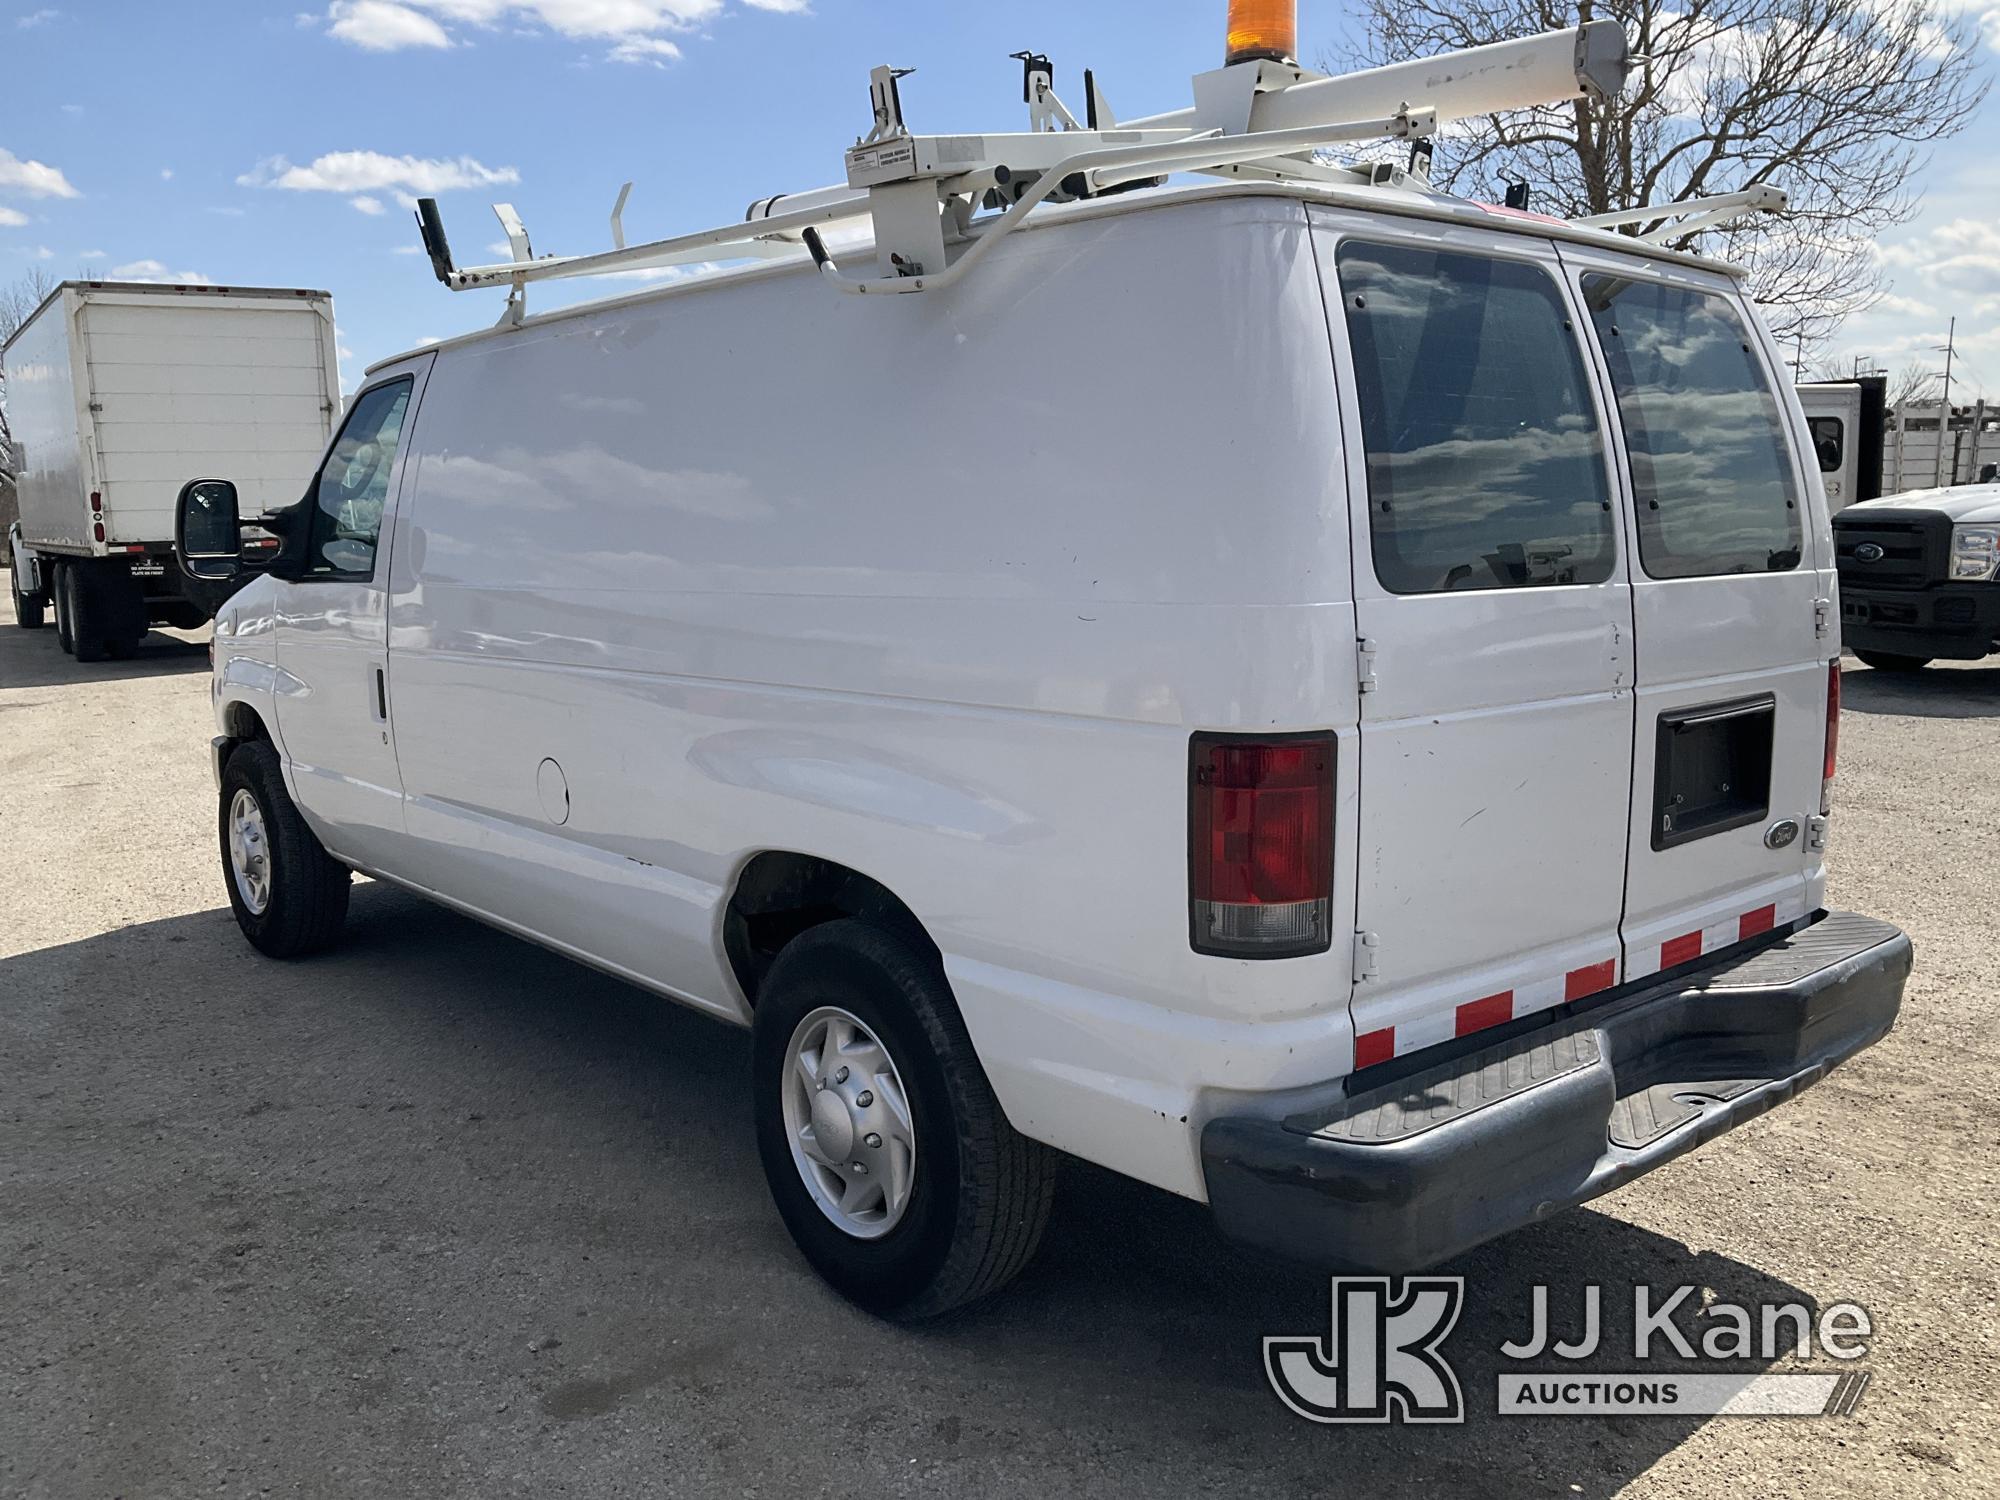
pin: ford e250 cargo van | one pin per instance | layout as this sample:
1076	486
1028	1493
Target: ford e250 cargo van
1320	699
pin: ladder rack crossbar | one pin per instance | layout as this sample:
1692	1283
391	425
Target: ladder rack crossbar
1100	167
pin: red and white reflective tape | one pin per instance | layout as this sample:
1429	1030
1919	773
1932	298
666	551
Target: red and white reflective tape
1490	1010
1725	932
1387	1042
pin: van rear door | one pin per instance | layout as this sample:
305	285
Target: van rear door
1730	593
1495	619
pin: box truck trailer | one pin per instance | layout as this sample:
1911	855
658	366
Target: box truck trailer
116	392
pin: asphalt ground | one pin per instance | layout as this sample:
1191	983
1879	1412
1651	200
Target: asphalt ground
441	1214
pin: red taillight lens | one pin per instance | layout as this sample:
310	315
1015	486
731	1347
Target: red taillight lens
1260	845
97	530
97	500
1832	738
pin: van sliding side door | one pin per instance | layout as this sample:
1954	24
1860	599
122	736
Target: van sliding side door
1731	565
1494	609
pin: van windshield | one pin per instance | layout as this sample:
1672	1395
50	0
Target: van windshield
1710	474
1485	464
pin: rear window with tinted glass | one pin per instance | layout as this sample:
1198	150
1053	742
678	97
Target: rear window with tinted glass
1485	463
1710	473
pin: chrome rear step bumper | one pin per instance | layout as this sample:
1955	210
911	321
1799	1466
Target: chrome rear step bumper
1412	1171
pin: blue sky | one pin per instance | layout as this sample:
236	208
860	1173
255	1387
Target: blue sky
254	143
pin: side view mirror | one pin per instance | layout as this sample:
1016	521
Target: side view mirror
208	530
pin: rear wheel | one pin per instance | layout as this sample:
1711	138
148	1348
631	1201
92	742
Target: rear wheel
288	893
86	614
59	593
1887	661
887	1155
27	611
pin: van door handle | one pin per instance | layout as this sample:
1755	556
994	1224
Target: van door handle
381	697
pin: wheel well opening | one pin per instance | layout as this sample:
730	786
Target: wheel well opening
241	723
781	894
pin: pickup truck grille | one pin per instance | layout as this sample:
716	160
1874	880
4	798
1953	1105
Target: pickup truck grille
1911	551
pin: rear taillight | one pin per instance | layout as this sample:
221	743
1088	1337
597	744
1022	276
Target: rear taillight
1260	845
1832	738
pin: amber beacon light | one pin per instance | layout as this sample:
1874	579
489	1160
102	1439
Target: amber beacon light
1263	29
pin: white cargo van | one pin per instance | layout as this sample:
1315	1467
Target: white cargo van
1318	696
116	391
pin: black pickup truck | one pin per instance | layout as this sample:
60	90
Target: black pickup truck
1917	576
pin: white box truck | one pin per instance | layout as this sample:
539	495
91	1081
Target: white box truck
118	393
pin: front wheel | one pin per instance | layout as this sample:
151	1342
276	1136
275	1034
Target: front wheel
1886	661
887	1155
288	893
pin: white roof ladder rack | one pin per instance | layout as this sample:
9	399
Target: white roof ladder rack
1257	117
1691	215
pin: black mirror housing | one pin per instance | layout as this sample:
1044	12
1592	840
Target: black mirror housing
208	530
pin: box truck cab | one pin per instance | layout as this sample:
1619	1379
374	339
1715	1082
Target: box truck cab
1349	741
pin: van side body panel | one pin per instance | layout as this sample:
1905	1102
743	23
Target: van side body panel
931	587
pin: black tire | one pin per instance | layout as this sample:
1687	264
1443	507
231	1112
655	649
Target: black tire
86	614
307	901
59	593
1886	661
980	1193
27	612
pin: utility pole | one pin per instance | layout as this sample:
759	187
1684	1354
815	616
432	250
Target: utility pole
1944	416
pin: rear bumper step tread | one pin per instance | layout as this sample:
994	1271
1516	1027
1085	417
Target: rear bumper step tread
1422	1166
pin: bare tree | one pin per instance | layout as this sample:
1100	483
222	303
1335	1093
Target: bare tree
18	301
1916	381
1834	101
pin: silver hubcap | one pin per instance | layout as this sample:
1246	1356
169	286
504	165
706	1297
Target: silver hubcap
249	852
848	1120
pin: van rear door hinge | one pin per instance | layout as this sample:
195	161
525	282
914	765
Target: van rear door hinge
1366	945
1364	664
1822	618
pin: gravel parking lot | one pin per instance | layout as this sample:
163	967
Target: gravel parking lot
441	1214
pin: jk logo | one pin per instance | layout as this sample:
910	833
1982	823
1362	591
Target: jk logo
1379	1363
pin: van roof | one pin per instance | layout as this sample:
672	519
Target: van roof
1402	202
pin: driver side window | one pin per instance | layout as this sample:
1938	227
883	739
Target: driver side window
353	485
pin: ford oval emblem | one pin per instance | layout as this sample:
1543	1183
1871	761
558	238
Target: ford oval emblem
1781	834
1868	552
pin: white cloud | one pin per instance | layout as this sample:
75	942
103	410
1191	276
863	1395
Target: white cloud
383	26
639	29
72	109
366	204
42	252
407	250
654	50
11	218
1940	268
36	18
153	270
33	178
364	172
166	174
92	255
